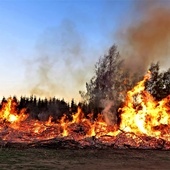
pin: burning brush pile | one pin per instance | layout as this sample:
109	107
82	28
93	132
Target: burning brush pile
137	114
143	122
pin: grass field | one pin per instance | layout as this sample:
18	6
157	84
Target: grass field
82	159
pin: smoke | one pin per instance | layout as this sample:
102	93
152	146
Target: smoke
61	66
64	61
108	113
147	38
143	39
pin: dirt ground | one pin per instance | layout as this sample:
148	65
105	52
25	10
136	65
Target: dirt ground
90	159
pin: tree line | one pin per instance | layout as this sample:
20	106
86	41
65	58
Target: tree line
108	87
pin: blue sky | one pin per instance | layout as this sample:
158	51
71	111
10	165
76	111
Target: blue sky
49	47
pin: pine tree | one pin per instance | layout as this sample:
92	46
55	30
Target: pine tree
110	82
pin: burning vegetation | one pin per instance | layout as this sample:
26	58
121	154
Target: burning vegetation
113	114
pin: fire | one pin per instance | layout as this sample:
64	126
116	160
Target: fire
88	126
9	112
141	116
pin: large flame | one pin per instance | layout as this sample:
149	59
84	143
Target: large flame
9	112
141	115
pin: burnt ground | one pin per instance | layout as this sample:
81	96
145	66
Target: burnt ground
90	159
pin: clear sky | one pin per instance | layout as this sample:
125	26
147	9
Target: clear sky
49	47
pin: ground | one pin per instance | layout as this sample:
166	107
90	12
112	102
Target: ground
90	159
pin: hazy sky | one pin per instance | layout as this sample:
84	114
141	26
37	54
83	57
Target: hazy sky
49	47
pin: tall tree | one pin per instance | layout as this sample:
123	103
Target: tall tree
110	82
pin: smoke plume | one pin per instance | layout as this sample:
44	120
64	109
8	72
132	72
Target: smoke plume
64	61
109	115
147	38
61	66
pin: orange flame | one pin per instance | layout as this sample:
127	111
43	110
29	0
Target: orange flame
9	112
143	115
140	115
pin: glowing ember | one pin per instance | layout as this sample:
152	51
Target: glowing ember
141	117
